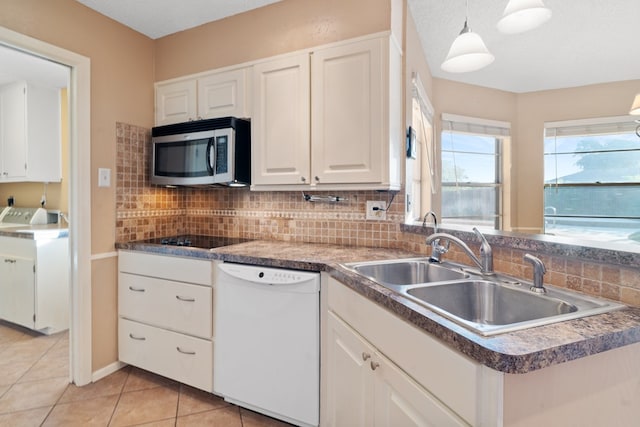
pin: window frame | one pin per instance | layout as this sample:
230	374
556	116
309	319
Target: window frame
500	131
586	127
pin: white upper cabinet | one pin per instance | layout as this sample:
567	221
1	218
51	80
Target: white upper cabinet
342	130
347	109
30	134
206	96
176	102
280	126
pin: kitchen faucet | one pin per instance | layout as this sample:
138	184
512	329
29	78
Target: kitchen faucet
485	263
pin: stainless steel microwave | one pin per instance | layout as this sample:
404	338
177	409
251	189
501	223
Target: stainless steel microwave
202	152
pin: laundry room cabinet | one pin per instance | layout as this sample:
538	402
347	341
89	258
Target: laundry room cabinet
30	133
34	283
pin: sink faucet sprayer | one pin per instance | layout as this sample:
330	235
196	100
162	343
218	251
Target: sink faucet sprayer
485	263
538	273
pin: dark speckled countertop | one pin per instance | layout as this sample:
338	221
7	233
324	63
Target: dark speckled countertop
514	352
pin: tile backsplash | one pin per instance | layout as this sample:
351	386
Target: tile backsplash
145	211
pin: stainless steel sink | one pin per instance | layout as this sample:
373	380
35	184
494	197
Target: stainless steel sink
408	272
487	305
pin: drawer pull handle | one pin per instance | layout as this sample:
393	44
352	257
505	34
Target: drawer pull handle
374	365
185	352
136	289
365	356
137	338
10	261
185	298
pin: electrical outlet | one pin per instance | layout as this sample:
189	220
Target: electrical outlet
376	210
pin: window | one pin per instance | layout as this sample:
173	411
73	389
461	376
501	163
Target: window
471	171
592	179
420	182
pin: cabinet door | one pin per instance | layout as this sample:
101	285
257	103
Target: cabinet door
17	290
400	401
13	138
223	94
280	123
349	376
176	102
347	112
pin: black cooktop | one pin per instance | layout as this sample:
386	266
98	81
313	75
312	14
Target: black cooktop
195	241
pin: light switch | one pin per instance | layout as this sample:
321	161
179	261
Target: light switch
104	177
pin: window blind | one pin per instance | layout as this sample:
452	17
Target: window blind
602	126
475	126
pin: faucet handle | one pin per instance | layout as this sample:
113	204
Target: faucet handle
486	253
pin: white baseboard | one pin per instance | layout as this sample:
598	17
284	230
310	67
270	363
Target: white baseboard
107	370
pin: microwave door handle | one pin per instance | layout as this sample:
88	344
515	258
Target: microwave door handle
209	160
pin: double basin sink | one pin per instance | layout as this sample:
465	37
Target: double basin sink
485	304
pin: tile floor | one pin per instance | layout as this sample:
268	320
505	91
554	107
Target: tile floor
35	391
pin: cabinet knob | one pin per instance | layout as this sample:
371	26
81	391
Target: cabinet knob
303	179
365	356
317	178
374	365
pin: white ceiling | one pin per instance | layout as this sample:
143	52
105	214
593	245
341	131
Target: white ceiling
16	65
585	42
158	18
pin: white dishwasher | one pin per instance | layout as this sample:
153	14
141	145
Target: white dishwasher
267	341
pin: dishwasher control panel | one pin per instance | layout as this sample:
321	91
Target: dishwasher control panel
269	275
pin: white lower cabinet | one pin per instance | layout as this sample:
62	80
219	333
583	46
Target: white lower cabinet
419	381
165	323
364	388
380	370
177	356
34	283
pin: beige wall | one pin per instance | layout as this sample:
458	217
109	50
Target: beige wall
121	90
278	28
527	113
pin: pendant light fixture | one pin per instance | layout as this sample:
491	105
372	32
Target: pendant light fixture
468	52
523	15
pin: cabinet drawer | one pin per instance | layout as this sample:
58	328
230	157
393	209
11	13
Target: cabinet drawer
166	267
185	359
176	306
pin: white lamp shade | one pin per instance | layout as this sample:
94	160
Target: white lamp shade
635	107
468	53
523	15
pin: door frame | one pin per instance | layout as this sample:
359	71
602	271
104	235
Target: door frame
79	190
